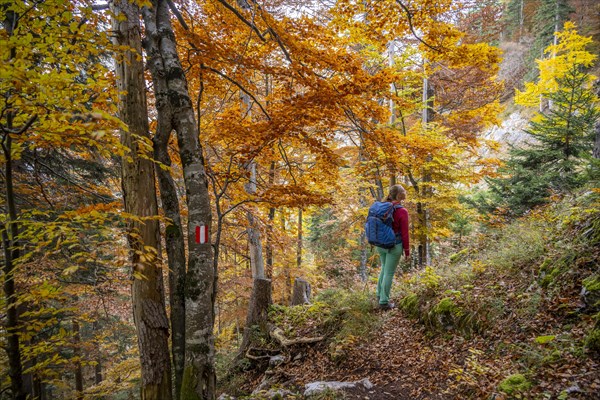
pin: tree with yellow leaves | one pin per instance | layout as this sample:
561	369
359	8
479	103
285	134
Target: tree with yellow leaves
58	215
559	158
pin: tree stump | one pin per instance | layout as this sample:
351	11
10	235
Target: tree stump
301	294
258	310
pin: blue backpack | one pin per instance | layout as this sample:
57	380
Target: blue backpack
378	227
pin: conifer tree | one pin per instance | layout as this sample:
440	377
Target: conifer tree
558	159
548	19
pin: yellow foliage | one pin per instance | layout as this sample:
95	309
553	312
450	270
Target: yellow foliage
569	51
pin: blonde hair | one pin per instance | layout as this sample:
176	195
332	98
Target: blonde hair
394	192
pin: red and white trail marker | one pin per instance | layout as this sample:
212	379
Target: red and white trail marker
202	234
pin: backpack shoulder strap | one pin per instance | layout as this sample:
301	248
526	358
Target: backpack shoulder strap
390	211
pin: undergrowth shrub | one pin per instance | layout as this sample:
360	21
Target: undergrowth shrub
577	242
342	316
514	266
519	245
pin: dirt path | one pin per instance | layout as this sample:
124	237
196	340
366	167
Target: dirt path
399	361
404	363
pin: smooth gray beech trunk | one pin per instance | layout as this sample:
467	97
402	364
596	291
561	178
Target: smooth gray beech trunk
174	238
422	211
139	194
260	298
199	379
257	262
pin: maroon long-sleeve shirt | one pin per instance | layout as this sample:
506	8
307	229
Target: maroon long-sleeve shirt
400	225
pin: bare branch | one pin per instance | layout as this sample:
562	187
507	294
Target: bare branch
244	20
412	29
22	129
101	197
100	7
243	89
177	15
278	39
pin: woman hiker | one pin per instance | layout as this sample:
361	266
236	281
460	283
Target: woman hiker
390	258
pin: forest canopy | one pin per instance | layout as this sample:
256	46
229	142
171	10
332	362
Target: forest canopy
173	171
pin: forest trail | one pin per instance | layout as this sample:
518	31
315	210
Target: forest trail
400	361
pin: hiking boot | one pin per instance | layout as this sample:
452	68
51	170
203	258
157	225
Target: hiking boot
387	306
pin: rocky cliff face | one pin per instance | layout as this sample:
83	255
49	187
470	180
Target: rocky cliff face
511	132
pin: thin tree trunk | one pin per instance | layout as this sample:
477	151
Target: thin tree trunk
269	249
287	273
199	378
299	243
521	20
98	367
256	309
139	194
255	246
78	366
423	212
11	246
362	269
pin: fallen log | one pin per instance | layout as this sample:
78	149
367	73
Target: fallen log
277	334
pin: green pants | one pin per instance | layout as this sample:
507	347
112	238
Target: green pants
389	262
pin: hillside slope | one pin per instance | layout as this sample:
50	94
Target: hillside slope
515	315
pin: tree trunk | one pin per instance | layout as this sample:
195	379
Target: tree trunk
269	249
139	196
423	212
256	255
98	366
301	292
287	273
362	270
299	243
78	366
254	241
11	246
258	308
521	20
174	239
199	379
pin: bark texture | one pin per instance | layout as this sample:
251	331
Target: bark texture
174	239
199	379
139	195
301	292
257	262
257	310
